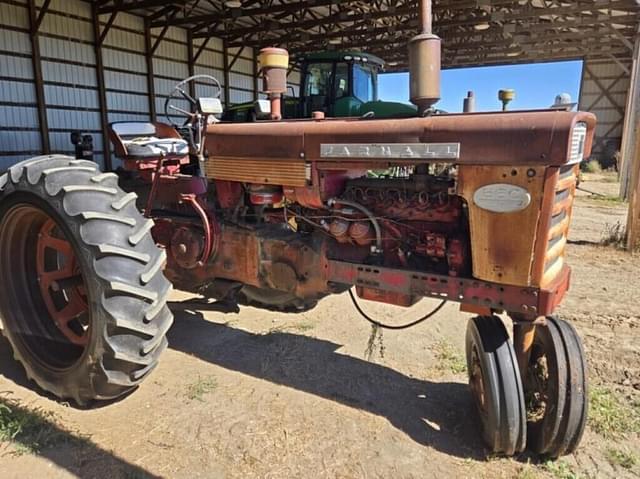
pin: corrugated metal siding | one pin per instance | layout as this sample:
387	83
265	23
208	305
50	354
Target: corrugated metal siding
70	78
170	67
19	134
125	71
608	105
209	62
241	75
69	75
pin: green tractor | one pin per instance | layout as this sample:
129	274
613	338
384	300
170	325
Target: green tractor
339	84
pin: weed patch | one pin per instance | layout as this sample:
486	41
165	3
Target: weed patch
449	358
609	417
561	470
617	457
29	429
200	387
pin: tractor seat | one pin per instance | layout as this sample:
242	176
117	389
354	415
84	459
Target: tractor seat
144	140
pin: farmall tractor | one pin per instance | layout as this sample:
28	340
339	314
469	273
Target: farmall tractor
279	214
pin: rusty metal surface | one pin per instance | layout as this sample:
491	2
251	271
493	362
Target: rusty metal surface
523	335
531	302
527	137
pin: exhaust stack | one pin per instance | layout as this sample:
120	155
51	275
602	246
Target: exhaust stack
424	62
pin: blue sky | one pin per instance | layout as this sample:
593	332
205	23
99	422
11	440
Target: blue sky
536	85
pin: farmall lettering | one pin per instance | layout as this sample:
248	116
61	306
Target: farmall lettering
428	151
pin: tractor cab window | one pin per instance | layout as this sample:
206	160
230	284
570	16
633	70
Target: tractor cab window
342	80
318	79
317	87
363	82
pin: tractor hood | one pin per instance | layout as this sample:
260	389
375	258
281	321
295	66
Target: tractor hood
259	152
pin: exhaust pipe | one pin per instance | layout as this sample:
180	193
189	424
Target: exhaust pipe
424	62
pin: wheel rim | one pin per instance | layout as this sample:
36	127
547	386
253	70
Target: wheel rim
476	383
60	281
45	297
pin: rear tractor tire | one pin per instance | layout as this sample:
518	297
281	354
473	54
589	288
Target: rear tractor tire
83	296
274	300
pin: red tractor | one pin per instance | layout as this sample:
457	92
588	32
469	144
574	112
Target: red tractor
473	208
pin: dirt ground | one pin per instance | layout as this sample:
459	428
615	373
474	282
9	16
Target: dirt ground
269	395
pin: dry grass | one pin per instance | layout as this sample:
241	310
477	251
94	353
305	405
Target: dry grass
592	167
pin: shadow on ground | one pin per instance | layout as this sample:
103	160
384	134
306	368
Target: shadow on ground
36	431
435	414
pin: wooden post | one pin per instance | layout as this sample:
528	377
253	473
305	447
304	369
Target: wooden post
191	63
632	116
630	181
633	216
225	60
256	76
98	38
148	53
43	123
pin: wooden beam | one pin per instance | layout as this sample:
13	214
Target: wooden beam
604	91
516	14
201	48
36	62
107	27
225	60
235	57
248	12
43	11
633	216
363	29
98	38
137	5
160	37
256	76
148	55
190	63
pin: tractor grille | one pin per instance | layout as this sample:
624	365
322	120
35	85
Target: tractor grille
578	139
559	224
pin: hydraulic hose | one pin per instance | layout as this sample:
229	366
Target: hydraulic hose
392	326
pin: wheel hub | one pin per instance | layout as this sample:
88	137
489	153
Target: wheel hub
476	382
61	283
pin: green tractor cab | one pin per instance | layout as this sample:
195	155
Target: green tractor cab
339	84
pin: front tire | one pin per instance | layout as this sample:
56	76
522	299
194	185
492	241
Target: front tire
496	387
557	389
83	297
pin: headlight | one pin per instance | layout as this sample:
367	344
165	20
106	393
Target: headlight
578	138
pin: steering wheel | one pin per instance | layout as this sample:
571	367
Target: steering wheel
179	90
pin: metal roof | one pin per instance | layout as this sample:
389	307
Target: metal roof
476	32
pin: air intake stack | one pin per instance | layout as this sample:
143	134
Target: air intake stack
274	63
424	62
